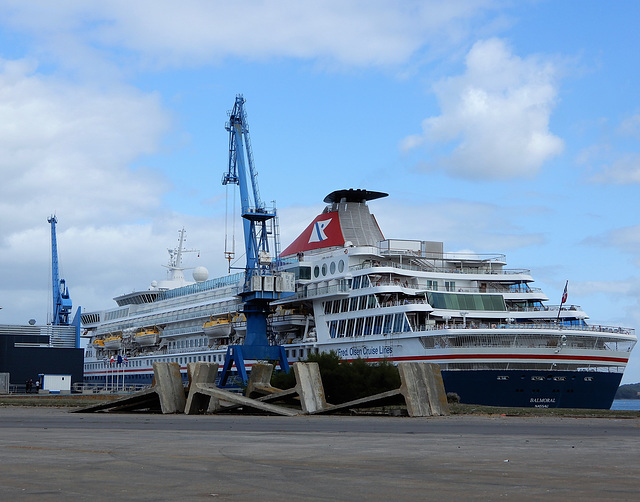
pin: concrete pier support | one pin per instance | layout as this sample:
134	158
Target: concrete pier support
169	387
167	393
260	381
201	373
309	387
423	389
421	386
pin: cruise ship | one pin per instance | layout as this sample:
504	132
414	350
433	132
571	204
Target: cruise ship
494	335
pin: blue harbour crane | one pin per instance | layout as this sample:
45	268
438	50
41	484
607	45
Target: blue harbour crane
262	284
61	298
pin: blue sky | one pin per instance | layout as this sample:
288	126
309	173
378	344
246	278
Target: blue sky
495	126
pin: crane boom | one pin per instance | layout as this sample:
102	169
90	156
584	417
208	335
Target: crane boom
61	298
257	219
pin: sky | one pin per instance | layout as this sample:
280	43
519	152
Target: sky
495	127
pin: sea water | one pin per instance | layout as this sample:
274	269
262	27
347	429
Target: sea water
626	404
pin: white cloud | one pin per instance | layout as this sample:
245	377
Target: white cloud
163	32
624	170
614	159
67	149
496	116
624	239
630	126
460	224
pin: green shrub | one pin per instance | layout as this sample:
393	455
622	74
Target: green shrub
346	381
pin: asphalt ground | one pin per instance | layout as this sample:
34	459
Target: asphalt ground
52	454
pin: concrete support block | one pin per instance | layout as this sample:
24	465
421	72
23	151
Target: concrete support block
238	400
423	389
260	381
309	387
169	387
4	383
201	373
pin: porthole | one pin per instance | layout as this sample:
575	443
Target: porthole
332	267
316	271
341	266
324	269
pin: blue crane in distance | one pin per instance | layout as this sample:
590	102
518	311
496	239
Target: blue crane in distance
61	299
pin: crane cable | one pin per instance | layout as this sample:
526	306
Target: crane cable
229	255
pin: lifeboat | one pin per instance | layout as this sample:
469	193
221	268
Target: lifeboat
112	342
98	343
218	327
239	322
146	336
285	320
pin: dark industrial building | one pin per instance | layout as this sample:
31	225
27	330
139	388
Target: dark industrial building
29	351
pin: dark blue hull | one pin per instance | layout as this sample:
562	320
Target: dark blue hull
533	389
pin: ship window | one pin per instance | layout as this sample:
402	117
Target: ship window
332	329
356	283
359	323
368	324
293	353
401	323
316	271
341	266
362	303
372	302
377	325
353	304
458	301
349	331
345	305
324	269
332	267
303	273
336	306
450	285
365	282
341	326
388	324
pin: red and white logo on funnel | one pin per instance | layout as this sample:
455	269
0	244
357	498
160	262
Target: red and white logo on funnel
323	232
318	235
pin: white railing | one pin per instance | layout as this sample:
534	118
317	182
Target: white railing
108	387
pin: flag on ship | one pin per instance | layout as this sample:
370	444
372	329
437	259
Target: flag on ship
564	293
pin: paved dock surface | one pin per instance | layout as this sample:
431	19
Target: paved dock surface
51	454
